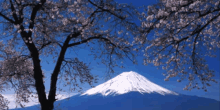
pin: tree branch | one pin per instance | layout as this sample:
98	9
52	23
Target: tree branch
44	45
99	7
14	12
8	19
54	76
91	38
34	13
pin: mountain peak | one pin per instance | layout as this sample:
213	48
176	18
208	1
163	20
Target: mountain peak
127	82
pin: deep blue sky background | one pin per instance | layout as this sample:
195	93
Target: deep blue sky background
150	72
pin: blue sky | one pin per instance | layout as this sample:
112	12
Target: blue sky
150	72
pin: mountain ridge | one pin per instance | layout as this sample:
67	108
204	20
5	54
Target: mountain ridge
133	101
131	91
127	82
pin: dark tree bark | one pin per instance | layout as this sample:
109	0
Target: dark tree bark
38	75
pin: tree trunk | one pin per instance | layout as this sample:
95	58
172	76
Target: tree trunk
54	76
47	106
38	76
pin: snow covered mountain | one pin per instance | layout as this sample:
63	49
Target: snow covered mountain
127	82
131	91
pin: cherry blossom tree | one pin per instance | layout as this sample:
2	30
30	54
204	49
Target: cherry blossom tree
3	103
174	34
181	34
15	70
32	29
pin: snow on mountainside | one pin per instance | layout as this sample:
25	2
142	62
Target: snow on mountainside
127	82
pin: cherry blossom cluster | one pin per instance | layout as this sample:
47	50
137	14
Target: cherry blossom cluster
184	33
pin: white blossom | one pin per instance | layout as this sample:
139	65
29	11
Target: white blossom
182	28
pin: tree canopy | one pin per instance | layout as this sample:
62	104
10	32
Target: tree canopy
33	29
186	32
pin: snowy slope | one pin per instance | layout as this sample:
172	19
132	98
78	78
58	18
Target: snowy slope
127	82
33	101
